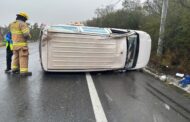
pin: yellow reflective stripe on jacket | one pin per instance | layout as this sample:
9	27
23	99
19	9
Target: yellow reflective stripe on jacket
16	32
11	45
25	30
7	44
23	70
20	44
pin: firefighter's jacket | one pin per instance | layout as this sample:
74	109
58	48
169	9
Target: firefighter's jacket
20	33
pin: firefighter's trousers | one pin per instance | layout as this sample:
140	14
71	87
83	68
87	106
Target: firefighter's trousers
20	59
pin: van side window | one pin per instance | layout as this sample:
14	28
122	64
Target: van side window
67	29
94	30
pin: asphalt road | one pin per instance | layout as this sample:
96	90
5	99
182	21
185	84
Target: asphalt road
70	97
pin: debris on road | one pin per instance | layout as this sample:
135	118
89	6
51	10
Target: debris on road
185	81
163	78
179	81
167	106
179	75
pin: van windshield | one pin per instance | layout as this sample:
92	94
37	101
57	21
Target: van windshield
132	51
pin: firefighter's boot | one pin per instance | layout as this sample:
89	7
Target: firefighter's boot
15	71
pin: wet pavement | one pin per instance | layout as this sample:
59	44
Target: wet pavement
64	97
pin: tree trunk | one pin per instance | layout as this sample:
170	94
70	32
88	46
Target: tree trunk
162	28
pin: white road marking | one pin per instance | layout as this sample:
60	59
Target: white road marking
97	106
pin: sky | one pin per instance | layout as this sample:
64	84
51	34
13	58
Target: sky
52	11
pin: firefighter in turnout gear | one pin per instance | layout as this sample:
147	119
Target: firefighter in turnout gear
20	34
9	51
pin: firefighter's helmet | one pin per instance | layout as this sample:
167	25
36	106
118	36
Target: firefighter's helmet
24	15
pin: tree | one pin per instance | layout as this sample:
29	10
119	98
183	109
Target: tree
162	28
153	7
131	5
1	35
101	12
185	3
35	32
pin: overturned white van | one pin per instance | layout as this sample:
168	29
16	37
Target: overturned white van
68	48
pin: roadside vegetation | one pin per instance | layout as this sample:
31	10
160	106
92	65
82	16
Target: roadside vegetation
146	17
